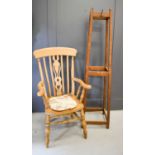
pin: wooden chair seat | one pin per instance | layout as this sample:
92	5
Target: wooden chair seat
79	106
62	102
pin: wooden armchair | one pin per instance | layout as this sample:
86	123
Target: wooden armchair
57	79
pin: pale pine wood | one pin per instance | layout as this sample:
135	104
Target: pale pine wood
78	91
67	74
84	85
40	69
42	93
47	130
57	76
62	73
81	85
82	95
46	73
56	71
83	122
52	76
54	51
53	117
72	76
65	121
41	88
41	73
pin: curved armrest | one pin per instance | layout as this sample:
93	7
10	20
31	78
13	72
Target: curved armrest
81	84
42	93
41	88
84	85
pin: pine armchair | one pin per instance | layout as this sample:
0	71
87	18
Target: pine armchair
57	88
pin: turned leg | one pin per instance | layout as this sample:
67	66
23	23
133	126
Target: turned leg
47	130
83	122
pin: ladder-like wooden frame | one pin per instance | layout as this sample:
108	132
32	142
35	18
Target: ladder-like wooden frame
104	71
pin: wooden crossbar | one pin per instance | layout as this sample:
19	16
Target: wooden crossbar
98	73
65	121
100	15
90	109
99	68
96	122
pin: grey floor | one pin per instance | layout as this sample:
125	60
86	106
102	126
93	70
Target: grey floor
68	139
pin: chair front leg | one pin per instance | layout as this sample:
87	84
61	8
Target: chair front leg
47	130
83	123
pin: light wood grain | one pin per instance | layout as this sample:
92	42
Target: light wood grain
47	78
52	76
67	64
47	130
72	76
83	122
54	51
78	91
82	95
41	74
84	85
62	73
56	65
57	74
42	92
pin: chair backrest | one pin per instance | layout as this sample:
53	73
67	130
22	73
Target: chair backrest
56	66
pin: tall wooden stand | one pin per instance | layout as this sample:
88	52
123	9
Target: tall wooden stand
104	71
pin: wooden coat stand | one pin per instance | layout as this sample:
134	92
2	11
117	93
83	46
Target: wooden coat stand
104	71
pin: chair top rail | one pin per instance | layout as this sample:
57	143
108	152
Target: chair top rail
52	51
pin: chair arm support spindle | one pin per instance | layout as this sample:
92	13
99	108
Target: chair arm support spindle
84	85
82	95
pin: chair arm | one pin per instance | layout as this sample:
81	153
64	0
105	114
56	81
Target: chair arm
41	88
42	93
84	85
